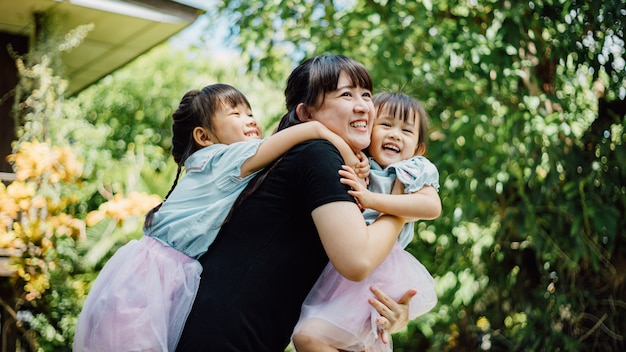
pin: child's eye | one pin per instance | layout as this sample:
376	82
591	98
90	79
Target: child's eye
408	131
367	94
346	94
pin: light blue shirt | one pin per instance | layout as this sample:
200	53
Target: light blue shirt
192	215
414	174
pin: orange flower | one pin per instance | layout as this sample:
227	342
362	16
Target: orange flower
120	207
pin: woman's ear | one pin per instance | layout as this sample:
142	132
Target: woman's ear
302	112
203	137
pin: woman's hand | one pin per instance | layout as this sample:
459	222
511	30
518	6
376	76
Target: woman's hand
394	315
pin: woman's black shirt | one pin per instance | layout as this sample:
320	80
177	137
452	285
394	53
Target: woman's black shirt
266	258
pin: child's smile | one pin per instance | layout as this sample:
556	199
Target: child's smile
393	140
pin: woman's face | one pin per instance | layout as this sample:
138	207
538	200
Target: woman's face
348	111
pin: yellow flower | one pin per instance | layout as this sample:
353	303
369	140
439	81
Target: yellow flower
36	286
20	190
6	238
65	224
39	202
120	207
8	208
483	324
34	160
31	160
94	217
67	166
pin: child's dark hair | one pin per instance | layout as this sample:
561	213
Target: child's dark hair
196	109
404	107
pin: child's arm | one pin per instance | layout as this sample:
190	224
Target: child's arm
423	204
280	142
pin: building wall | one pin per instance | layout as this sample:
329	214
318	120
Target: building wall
8	81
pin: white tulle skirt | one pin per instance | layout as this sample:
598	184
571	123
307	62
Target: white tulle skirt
139	301
337	311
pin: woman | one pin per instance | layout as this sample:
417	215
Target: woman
290	221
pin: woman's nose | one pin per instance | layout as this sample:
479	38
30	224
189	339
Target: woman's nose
361	106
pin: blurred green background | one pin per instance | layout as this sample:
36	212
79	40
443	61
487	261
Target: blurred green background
526	101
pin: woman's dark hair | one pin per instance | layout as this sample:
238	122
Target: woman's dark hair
308	84
404	107
196	109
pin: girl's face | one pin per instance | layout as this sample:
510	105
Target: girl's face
235	124
393	139
348	111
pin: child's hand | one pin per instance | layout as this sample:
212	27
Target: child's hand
362	168
358	188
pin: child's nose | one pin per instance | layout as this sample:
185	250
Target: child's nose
394	134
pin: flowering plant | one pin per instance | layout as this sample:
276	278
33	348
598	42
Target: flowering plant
53	242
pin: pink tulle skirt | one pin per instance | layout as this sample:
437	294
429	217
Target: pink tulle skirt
337	311
139	301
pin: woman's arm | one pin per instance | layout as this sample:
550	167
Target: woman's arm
280	142
354	248
424	204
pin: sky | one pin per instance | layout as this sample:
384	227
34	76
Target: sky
216	40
